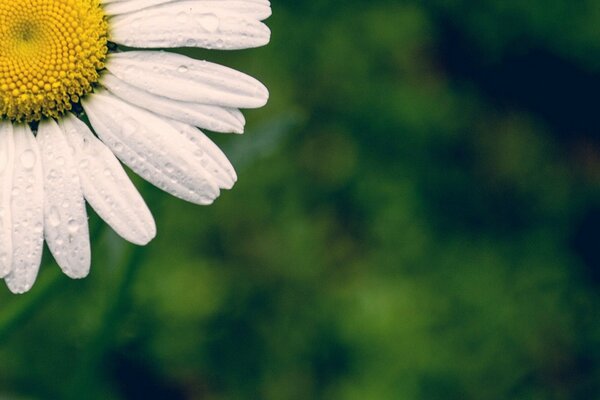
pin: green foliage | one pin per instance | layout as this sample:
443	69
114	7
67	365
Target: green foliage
401	228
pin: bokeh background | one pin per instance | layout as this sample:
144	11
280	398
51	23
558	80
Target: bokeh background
417	217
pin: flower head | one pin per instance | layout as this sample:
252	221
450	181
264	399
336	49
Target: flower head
145	108
52	52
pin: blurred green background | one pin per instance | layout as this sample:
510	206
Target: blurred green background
417	217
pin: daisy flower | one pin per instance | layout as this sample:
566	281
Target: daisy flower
80	89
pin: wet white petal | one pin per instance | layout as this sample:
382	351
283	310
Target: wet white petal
6	178
214	118
259	9
27	211
151	147
65	218
106	186
182	78
208	154
209	24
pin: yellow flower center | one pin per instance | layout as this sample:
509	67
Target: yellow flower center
50	55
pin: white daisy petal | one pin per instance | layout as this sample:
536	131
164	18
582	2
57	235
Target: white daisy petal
106	186
65	218
214	118
27	211
151	147
183	78
6	177
259	9
225	24
209	155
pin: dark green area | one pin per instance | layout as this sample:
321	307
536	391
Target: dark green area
417	217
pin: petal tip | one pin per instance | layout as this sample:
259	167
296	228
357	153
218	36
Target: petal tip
18	288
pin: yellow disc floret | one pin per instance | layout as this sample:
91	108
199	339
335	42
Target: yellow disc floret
51	52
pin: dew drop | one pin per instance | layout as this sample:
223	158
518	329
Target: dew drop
28	159
72	226
181	17
209	22
129	126
54	217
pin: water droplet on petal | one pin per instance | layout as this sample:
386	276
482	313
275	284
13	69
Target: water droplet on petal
54	217
129	126
72	226
209	22
27	159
